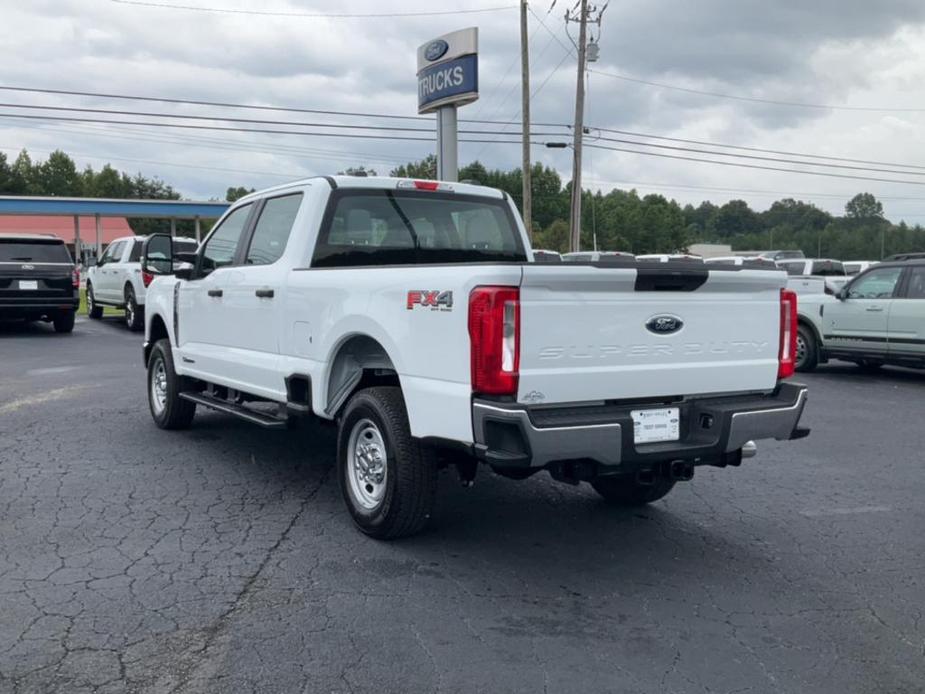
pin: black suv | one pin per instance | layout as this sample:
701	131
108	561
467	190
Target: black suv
38	280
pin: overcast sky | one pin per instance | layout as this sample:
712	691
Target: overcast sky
858	56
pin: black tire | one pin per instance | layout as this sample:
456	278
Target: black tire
410	469
64	322
175	412
807	356
624	490
94	310
134	318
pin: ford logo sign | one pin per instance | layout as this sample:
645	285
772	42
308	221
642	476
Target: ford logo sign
28	267
436	50
664	325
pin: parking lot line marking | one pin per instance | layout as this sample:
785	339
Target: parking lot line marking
51	370
845	511
56	394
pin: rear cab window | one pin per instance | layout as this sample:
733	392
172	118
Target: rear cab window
828	268
38	251
396	227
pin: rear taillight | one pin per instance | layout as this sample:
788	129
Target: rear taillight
786	356
146	278
75	278
494	337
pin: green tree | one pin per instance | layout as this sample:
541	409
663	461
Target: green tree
424	169
6	176
233	194
58	175
864	206
24	176
357	171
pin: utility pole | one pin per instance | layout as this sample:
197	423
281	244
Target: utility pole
525	111
578	133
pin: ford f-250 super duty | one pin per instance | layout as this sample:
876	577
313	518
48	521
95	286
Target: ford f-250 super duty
411	314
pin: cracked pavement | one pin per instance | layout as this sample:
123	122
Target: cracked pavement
221	559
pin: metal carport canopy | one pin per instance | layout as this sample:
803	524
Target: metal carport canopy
104	207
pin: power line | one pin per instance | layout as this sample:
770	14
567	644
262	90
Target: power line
317	15
757	157
190	126
757	100
753	166
755	149
253	107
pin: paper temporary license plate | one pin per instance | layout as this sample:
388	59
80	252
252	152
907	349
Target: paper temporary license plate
28	284
650	426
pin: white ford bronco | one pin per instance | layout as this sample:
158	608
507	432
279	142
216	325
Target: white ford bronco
412	315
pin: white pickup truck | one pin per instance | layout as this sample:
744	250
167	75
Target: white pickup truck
412	314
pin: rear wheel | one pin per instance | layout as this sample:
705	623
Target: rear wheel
168	409
807	356
387	478
94	310
134	319
624	490
64	322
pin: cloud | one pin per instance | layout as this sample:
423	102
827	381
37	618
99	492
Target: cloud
844	53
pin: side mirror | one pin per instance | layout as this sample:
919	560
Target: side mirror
841	294
157	255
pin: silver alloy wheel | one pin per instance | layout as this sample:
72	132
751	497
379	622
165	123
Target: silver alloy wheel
90	302
130	310
367	469
158	385
801	349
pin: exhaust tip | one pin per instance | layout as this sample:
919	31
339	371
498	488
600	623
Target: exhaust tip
749	449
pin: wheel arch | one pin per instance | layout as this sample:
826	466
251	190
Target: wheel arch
156	331
804	321
358	361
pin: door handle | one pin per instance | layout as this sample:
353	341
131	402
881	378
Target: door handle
215	292
875	309
264	293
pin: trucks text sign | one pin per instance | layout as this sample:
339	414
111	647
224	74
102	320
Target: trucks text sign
448	70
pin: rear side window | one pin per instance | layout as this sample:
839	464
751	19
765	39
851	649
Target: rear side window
222	245
272	229
20	251
384	227
916	287
135	255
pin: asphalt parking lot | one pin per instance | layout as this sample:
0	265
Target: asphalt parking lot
220	559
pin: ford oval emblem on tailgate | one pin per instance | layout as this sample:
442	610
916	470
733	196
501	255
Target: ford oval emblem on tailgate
664	325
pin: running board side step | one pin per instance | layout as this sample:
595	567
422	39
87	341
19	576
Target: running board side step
240	411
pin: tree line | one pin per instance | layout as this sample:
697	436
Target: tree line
619	219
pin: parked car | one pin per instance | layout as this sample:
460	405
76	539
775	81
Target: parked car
595	256
877	318
117	280
666	257
832	271
406	312
38	280
773	255
544	256
855	267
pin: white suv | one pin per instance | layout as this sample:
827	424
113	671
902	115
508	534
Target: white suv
117	280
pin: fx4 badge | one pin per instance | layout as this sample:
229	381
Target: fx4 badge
435	300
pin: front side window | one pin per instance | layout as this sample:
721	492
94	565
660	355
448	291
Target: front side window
272	229
876	284
383	227
222	245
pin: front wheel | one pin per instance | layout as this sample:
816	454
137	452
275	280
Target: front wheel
168	409
134	319
624	490
807	356
387	478
94	310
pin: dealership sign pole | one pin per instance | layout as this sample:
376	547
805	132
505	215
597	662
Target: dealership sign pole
448	77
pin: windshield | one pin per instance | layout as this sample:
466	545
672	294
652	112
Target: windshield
386	227
39	251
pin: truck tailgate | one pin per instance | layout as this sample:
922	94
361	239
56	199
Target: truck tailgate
593	333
